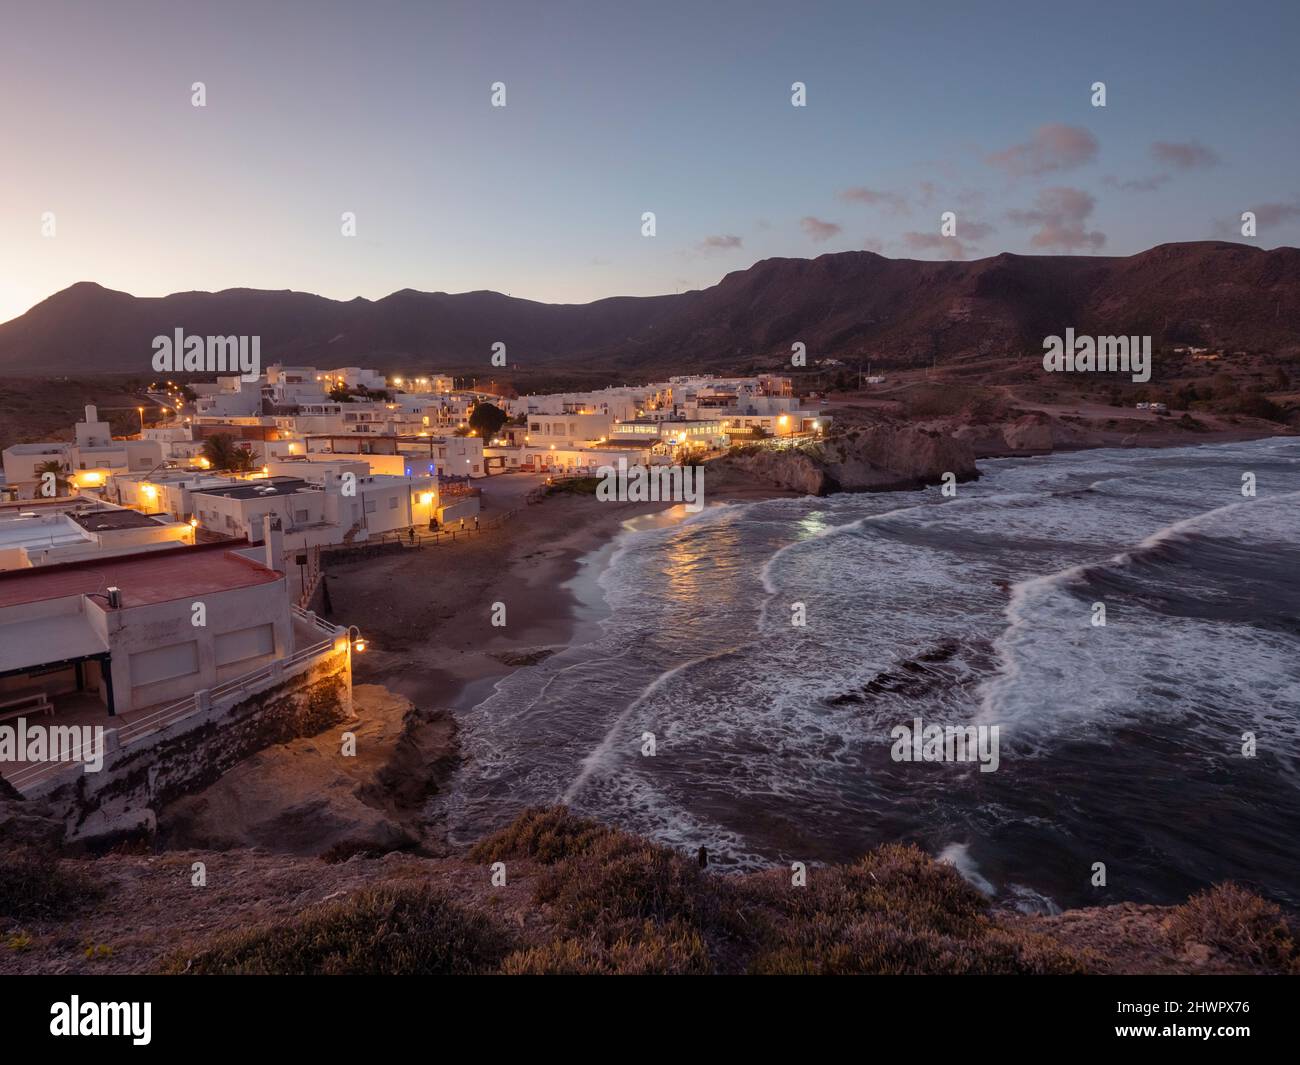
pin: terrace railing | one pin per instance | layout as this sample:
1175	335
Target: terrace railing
28	777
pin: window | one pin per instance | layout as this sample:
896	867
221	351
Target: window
392	502
299	515
370	506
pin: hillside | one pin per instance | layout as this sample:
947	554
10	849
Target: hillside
848	305
582	898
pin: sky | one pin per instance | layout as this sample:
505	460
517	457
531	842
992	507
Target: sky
109	173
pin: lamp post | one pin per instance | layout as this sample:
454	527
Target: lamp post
141	410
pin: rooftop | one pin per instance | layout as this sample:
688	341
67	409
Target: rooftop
102	520
260	489
157	577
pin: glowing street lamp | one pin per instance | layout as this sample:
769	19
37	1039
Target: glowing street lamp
355	638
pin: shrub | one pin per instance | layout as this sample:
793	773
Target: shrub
673	949
896	911
1253	405
1239	923
578	486
405	930
546	834
36	885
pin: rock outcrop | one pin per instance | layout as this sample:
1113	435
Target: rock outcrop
1030	432
880	458
308	797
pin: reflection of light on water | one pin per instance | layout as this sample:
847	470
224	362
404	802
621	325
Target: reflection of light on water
698	563
812	525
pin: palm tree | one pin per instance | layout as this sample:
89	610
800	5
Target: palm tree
242	460
223	453
219	450
55	467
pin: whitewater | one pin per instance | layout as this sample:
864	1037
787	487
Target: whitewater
1122	744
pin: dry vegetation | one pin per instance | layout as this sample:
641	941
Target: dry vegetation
35	885
601	901
39	409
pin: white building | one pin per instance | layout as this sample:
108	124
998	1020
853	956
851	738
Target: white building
229	397
339	506
451	456
46	532
289	386
87	462
119	634
354	377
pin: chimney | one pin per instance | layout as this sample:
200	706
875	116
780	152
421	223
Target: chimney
274	543
92	414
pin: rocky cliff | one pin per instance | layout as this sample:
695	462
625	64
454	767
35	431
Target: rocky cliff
879	458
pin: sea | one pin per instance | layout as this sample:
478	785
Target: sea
1140	759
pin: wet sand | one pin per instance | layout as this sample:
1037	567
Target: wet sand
427	614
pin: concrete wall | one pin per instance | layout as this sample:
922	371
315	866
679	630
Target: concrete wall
194	752
138	630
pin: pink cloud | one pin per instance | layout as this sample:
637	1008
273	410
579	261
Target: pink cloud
1060	215
1052	147
719	242
891	200
1186	155
819	230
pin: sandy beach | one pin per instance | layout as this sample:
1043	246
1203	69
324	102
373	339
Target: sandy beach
427	614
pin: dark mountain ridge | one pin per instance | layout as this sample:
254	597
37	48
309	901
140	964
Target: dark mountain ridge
848	305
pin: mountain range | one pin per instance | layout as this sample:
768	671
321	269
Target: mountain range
848	305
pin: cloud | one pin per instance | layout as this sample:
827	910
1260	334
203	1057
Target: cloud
1272	214
1186	155
951	247
719	242
1267	215
872	244
1149	184
1060	214
1052	147
891	200
819	230
925	192
974	230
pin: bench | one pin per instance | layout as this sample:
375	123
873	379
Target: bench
19	704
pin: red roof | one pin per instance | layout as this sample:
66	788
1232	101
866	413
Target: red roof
154	577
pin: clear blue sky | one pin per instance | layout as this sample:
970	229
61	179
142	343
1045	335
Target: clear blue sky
613	109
